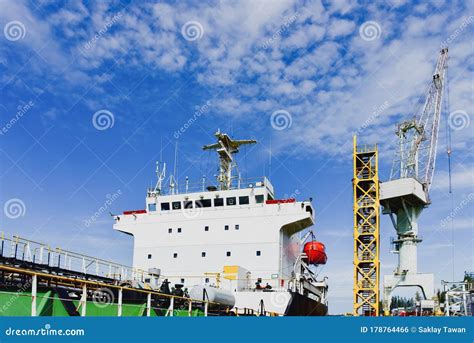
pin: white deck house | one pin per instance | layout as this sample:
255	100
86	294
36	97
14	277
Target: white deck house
231	237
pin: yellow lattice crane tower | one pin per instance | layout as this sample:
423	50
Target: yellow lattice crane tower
366	231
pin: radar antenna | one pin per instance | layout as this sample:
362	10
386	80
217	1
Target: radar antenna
160	174
226	147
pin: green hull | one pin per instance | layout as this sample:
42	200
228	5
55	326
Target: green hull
48	303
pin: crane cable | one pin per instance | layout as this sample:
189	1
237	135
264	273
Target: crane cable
448	132
449	152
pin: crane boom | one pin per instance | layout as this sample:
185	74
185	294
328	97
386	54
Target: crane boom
406	194
418	138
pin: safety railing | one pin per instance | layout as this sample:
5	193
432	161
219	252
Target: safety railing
206	185
26	250
108	298
80	292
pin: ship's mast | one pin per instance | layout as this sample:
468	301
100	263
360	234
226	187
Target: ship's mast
226	147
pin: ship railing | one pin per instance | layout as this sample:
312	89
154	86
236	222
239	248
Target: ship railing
222	280
106	295
205	185
110	296
26	250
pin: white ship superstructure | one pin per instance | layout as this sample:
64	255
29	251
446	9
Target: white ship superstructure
234	237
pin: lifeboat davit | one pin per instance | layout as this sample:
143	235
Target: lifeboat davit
316	252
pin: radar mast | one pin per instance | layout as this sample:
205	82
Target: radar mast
226	147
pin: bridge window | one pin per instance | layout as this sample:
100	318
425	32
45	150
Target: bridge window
230	201
151	207
244	200
218	202
188	204
309	209
205	203
176	205
259	199
165	206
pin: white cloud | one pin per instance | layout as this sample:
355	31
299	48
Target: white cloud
166	15
38	37
463	224
342	6
340	27
331	86
462	179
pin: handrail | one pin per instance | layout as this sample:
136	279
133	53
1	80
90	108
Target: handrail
32	251
97	283
196	187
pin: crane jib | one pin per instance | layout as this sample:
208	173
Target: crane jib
418	138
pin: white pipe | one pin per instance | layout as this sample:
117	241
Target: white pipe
119	312
84	300
33	295
148	305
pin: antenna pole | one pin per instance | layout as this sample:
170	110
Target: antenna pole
161	176
175	158
161	149
270	160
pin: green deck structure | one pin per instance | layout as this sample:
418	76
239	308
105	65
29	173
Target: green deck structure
36	280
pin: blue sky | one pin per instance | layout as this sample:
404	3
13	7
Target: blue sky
93	93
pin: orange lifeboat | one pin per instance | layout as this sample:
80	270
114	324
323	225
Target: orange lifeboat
316	252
